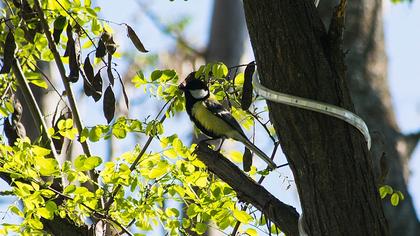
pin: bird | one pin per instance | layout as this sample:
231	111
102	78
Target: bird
212	118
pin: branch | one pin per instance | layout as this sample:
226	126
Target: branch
33	106
69	92
284	216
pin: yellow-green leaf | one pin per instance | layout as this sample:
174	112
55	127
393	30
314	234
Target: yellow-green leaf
251	232
159	170
242	216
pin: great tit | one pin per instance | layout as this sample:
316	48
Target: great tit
211	118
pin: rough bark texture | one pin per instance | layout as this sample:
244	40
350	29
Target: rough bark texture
367	80
329	159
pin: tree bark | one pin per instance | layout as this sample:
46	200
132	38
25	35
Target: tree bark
329	159
368	84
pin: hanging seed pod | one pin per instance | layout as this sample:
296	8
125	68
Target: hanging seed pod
59	24
135	39
97	86
106	37
101	50
88	87
247	160
109	70
247	87
109	104
9	53
88	78
124	92
71	53
87	67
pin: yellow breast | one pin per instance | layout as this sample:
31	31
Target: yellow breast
211	122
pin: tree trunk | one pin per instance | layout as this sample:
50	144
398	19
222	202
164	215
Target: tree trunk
330	161
367	80
226	41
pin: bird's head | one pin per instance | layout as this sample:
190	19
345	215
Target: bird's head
194	87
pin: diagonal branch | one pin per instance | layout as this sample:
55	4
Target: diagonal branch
33	106
283	215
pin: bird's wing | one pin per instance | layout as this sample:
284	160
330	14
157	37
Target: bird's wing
218	110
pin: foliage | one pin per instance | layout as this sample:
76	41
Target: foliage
136	185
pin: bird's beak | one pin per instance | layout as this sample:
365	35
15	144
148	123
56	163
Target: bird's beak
182	85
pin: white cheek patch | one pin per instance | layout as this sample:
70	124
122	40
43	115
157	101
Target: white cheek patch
199	93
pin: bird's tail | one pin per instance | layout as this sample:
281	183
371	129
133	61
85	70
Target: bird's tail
259	153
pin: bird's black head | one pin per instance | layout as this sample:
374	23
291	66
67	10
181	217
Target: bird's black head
196	88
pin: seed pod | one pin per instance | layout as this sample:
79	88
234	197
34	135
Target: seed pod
109	70
97	86
73	56
87	67
247	160
135	39
88	77
124	93
88	87
101	50
247	87
106	37
109	104
9	53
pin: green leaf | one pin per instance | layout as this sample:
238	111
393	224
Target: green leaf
16	210
95	134
47	166
395	199
69	189
35	223
83	163
159	170
400	194
155	75
242	216
38	81
45	213
172	212
84	135
251	232
201	228
40	151
382	192
92	162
